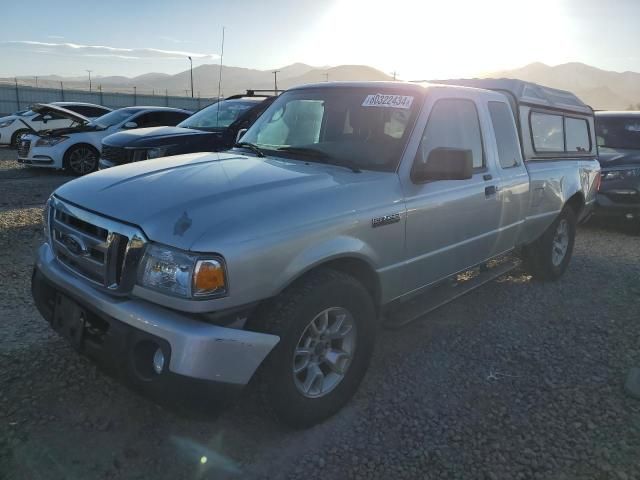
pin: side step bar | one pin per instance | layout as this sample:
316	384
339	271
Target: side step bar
443	292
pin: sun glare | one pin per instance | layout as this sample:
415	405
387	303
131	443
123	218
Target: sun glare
434	39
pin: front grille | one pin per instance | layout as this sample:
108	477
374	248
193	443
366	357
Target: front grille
96	248
117	155
23	148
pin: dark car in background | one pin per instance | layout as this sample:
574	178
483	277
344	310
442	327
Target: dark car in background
618	136
214	128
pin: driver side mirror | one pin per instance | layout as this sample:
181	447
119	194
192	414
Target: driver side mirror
130	125
46	118
443	164
240	133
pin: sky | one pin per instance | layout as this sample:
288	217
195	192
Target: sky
418	39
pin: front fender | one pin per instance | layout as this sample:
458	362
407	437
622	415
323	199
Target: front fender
323	252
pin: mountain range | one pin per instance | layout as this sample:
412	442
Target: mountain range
601	89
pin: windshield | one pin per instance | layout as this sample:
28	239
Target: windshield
218	115
365	127
618	132
115	117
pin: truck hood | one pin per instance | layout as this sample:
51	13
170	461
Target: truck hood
201	201
142	137
617	157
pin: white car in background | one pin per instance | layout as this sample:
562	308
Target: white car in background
77	148
28	121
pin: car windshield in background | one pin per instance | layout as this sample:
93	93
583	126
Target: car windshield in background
218	115
362	127
25	113
618	132
115	117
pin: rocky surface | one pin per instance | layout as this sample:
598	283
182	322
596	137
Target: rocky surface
517	380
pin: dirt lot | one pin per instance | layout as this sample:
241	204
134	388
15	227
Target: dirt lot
518	380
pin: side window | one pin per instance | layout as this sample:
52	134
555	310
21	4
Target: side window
577	135
150	119
547	132
506	135
453	123
171	119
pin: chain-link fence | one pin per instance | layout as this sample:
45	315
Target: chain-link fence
15	97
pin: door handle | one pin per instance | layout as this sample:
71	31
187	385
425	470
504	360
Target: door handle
490	190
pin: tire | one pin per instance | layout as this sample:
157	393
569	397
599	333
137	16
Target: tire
546	259
15	137
321	293
81	159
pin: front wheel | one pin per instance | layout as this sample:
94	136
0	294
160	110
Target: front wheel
327	326
548	257
15	138
81	159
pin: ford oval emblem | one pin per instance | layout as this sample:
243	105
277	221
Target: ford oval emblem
73	244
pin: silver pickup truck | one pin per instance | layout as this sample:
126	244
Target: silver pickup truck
346	205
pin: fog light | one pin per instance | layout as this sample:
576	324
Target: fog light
158	361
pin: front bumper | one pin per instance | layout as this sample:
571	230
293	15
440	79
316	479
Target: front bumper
194	348
617	206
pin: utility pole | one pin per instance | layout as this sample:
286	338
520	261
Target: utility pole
36	77
275	80
191	62
62	91
394	73
89	71
326	76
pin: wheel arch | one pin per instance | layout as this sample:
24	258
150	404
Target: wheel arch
577	203
350	264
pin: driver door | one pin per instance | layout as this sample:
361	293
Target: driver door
452	225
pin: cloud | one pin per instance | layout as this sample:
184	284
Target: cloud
55	37
74	49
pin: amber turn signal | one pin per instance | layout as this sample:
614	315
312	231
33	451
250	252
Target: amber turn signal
208	278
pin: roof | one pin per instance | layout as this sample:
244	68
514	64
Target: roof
618	113
62	104
526	92
155	107
378	84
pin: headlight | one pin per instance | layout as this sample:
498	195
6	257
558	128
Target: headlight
182	274
621	174
49	141
6	123
158	152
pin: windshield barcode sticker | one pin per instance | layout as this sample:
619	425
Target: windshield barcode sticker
388	101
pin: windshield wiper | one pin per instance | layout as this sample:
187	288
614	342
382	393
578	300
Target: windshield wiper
250	146
322	156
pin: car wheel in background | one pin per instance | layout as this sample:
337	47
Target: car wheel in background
15	138
327	325
548	257
81	159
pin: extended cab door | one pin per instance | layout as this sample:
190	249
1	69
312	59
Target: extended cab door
513	193
451	224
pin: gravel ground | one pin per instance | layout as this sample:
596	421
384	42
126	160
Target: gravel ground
517	380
